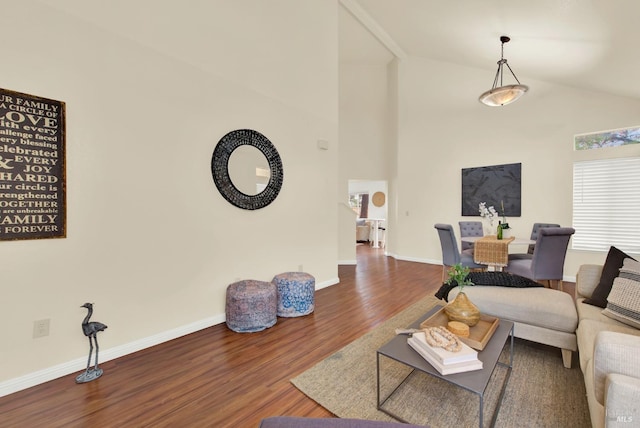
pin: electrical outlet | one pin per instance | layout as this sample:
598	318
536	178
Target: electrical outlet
40	328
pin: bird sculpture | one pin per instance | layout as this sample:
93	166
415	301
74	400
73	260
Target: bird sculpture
91	329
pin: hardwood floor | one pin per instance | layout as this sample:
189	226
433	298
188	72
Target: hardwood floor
218	378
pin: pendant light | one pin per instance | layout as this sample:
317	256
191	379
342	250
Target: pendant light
503	94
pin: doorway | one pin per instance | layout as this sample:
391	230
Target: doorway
368	199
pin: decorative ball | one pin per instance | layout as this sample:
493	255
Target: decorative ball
458	328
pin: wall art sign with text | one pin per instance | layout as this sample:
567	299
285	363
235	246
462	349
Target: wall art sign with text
32	167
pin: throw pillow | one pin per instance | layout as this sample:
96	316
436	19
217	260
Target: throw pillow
624	299
500	279
610	271
503	279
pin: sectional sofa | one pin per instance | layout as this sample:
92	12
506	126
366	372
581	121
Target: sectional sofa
609	349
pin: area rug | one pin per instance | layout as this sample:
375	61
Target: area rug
539	393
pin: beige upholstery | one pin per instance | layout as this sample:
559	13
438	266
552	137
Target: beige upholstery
542	315
609	358
363	231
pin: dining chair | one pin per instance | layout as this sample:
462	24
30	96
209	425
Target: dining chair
469	228
547	261
450	253
382	234
534	236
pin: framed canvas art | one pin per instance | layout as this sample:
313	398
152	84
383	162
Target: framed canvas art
494	185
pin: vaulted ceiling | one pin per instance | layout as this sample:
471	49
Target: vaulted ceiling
587	44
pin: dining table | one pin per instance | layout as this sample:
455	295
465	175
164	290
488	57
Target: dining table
491	251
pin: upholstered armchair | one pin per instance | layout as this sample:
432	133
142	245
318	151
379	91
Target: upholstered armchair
363	229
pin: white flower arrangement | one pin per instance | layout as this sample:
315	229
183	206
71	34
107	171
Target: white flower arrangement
487	213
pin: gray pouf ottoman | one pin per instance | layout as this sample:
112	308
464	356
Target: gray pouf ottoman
296	293
251	306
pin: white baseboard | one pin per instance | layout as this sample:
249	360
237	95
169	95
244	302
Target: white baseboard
32	379
417	260
77	365
327	283
347	262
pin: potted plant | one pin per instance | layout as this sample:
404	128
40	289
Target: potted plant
459	274
461	309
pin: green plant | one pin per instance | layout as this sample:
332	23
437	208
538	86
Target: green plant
459	274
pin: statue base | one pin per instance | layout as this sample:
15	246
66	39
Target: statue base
89	375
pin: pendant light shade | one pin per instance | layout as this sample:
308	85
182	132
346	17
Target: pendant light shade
503	94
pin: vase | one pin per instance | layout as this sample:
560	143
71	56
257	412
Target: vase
461	309
488	228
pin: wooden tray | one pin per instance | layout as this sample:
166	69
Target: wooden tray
479	334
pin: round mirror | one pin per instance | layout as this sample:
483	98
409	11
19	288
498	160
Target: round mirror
247	169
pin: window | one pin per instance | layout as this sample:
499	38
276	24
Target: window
359	203
606	205
615	138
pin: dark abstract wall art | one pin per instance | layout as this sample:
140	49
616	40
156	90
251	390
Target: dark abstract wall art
493	185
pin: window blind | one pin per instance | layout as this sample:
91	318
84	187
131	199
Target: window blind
606	204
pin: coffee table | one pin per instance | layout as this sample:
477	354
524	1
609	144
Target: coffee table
475	381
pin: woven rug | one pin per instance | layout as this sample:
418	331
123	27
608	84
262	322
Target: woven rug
540	391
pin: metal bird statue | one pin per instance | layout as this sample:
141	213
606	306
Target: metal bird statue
91	329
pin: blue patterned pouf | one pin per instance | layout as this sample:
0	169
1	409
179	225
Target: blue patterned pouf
296	293
251	306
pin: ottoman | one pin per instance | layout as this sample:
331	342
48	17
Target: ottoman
296	293
250	306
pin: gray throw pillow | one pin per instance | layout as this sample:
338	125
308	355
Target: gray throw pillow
624	299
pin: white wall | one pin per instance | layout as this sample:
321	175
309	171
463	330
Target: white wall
364	122
150	241
148	95
443	128
365	135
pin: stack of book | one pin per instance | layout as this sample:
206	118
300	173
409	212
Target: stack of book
446	362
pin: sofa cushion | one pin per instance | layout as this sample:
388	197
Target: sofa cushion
610	271
624	299
587	331
501	279
587	280
540	307
590	312
614	353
